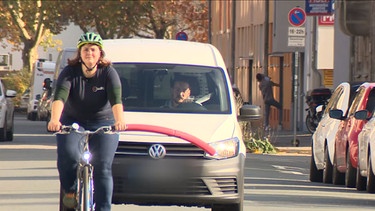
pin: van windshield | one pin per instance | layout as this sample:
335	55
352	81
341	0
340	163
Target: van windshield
150	88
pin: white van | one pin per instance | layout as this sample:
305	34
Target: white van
41	70
61	62
151	168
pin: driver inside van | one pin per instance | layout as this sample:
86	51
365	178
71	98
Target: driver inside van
180	93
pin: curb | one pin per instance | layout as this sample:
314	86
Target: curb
294	150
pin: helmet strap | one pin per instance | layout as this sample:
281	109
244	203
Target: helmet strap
88	68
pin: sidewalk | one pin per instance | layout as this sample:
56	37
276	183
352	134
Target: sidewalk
283	141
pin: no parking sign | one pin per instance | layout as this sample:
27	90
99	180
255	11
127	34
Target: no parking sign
181	36
297	16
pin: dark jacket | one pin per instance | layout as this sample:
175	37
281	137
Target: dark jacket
265	86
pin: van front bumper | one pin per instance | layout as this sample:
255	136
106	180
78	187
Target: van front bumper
178	181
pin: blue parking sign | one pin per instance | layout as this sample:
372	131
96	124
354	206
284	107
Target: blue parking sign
181	36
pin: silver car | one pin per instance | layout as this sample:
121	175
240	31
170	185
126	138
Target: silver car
323	143
365	179
6	113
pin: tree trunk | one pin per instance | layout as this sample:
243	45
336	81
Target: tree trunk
29	55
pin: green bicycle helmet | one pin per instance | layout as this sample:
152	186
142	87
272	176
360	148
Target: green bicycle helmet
90	37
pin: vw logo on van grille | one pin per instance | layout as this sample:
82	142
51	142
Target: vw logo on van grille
157	151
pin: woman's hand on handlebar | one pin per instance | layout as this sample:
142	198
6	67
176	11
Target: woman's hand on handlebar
54	126
120	126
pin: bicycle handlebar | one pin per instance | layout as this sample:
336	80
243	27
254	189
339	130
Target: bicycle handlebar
66	129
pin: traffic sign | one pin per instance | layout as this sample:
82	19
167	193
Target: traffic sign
296	31
319	7
326	20
181	36
296	41
297	16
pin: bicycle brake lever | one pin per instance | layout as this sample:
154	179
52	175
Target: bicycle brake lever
65	128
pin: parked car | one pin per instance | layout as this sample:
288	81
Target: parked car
346	142
366	153
6	113
157	169
323	139
25	99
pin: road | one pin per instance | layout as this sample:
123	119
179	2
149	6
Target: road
29	179
281	183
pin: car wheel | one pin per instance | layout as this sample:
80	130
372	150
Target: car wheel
316	175
350	174
338	178
10	131
327	171
370	185
3	131
227	207
361	181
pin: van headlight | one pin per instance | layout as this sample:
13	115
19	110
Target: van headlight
225	149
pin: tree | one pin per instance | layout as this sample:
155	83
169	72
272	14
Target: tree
111	19
24	23
165	18
159	19
27	23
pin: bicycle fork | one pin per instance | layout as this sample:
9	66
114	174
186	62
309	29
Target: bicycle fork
85	184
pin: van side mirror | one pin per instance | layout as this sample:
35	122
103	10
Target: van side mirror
362	114
249	112
10	93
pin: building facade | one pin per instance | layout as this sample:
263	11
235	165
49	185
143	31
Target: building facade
254	37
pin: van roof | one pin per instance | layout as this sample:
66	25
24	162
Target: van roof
162	51
70	49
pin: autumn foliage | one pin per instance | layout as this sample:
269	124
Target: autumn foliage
28	24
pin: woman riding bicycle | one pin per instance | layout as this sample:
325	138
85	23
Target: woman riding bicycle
88	92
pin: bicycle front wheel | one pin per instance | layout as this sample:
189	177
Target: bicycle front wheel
87	190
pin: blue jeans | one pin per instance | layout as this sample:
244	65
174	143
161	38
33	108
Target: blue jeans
102	148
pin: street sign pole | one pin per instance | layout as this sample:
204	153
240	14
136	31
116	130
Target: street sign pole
296	40
295	96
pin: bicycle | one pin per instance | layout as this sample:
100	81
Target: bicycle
85	183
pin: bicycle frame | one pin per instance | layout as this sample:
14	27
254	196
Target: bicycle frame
85	182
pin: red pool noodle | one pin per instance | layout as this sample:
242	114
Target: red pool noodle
171	132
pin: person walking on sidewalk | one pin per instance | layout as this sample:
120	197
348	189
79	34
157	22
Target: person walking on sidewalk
265	87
